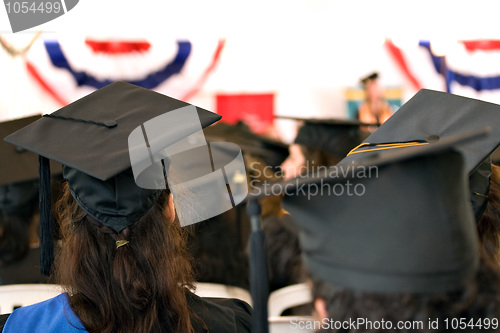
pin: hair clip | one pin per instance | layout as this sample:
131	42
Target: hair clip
121	243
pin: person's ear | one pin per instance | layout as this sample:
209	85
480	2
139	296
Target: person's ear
320	307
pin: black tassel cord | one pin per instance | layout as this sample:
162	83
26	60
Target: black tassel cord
46	223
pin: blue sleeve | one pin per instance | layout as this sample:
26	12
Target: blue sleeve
51	316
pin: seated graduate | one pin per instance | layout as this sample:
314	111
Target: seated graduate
409	260
123	261
19	250
411	254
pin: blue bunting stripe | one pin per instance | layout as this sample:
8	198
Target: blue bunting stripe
475	82
151	81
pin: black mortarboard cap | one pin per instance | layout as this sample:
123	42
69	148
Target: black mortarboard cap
393	222
96	137
431	116
91	134
334	136
18	170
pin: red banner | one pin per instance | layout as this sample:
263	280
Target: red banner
256	110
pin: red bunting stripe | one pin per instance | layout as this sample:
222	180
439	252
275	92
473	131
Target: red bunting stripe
33	72
401	62
117	47
207	72
481	45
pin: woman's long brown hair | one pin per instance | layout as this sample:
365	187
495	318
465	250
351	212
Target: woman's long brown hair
139	287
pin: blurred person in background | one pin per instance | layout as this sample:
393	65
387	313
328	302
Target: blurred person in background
375	109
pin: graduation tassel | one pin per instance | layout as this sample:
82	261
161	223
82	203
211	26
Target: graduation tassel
258	270
46	224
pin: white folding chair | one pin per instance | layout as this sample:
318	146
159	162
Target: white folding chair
205	289
288	297
287	324
17	295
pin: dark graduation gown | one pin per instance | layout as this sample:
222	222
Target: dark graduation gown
55	315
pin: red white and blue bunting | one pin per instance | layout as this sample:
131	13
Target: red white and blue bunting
70	69
470	67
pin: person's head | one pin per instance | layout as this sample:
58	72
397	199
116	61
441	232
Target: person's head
392	253
372	87
321	143
302	158
374	90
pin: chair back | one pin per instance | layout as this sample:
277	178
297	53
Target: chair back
205	289
288	297
17	295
